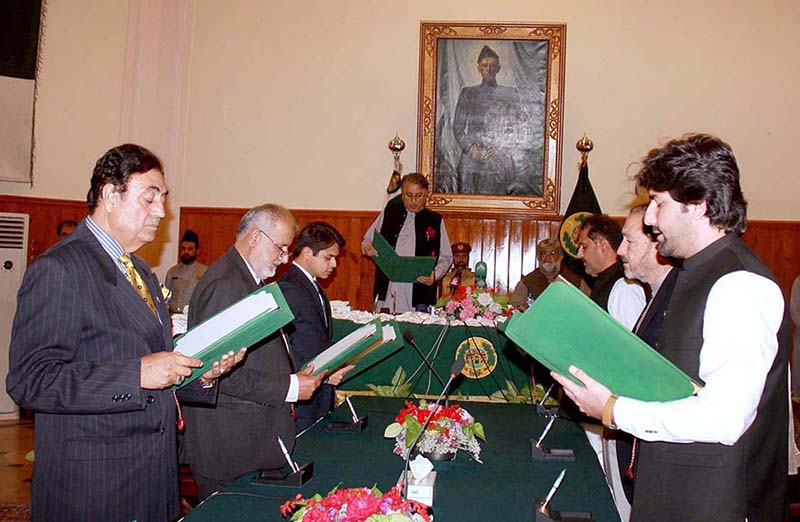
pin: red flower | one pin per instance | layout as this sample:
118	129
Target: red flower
291	504
362	507
430	233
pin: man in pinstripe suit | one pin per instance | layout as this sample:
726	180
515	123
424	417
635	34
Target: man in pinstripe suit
92	357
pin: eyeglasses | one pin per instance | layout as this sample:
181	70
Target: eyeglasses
283	248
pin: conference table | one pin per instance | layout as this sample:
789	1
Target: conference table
502	488
495	367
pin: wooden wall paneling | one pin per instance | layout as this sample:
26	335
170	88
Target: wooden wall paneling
502	232
45	215
778	245
517	244
507	245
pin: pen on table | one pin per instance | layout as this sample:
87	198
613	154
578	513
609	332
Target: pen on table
553	490
352	410
546	430
287	456
547	394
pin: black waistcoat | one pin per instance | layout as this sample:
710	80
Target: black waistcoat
601	290
710	482
427	227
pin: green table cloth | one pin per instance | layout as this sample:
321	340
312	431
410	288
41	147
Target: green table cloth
503	488
494	365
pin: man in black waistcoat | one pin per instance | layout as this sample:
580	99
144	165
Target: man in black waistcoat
723	453
412	230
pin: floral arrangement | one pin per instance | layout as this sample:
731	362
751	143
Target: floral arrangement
450	429
469	302
356	505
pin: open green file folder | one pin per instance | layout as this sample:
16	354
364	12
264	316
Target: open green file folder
241	325
400	269
361	348
563	327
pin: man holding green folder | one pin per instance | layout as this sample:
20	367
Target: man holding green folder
412	230
310	333
254	402
721	454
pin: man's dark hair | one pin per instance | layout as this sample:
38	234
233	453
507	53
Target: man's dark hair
697	168
415	178
116	166
601	226
65	223
317	236
191	236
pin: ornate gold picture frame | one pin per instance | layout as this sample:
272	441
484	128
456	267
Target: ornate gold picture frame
490	115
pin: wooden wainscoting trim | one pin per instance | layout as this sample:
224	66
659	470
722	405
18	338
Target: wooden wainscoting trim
507	244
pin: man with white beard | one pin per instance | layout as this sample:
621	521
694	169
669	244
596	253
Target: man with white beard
254	405
549	257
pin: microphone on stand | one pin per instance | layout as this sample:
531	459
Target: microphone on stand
455	370
455	281
410	340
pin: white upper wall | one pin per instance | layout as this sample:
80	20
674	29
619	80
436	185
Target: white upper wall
80	92
294	101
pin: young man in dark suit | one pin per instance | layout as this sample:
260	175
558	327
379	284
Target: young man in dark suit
254	405
91	354
315	251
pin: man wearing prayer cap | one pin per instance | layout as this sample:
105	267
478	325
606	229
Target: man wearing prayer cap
182	278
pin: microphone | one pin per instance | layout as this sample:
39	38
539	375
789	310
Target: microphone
455	370
410	340
454	282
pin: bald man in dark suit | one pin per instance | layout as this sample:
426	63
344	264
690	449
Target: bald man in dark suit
91	355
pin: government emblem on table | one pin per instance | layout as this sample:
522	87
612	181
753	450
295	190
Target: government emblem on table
479	355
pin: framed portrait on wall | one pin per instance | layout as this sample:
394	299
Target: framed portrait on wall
490	115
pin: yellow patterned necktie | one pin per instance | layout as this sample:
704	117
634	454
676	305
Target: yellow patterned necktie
138	283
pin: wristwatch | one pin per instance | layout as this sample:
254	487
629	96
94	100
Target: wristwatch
608	412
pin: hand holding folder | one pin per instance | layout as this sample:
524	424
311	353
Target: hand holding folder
361	349
565	328
242	324
400	269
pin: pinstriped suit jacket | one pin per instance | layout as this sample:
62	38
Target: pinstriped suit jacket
105	448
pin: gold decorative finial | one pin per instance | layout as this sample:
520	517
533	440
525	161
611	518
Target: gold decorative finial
397	145
585	146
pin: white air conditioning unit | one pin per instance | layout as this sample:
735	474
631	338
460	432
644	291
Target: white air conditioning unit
13	261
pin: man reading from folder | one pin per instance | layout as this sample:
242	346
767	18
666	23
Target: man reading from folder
91	354
721	454
641	261
254	404
412	230
310	333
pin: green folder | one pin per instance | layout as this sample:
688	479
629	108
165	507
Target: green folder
400	269
362	348
392	342
240	325
563	327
